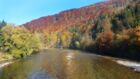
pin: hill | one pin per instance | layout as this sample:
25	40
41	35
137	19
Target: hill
75	17
110	28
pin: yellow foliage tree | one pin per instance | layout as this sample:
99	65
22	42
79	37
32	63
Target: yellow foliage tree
66	38
18	41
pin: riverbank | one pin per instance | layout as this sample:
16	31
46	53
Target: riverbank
5	59
135	66
5	63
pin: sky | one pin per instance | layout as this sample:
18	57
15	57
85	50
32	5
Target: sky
22	11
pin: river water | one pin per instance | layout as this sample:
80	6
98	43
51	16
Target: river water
66	64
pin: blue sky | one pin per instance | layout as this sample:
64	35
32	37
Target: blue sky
22	11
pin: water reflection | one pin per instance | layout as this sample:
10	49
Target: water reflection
66	64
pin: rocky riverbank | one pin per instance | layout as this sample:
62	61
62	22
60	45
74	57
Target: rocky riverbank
135	66
131	64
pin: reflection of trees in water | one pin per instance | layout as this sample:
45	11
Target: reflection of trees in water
66	65
18	70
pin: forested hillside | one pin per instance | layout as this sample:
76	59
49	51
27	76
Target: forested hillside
75	17
110	28
102	28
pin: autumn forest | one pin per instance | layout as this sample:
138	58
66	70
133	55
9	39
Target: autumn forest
102	28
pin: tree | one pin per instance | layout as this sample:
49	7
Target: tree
18	41
136	36
66	38
104	41
2	24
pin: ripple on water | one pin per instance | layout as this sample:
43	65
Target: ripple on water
41	74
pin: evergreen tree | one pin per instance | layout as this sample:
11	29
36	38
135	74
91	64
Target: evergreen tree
2	24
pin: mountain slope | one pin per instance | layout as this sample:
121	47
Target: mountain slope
109	28
74	17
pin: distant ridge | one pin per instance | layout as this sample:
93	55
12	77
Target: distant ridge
74	17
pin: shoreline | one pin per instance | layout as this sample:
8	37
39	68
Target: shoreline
5	59
5	63
133	65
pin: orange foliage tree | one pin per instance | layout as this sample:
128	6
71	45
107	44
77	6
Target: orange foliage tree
104	40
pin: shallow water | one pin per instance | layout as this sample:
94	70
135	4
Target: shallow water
66	64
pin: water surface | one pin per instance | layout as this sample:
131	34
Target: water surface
66	64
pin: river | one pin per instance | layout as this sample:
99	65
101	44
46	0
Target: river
66	64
